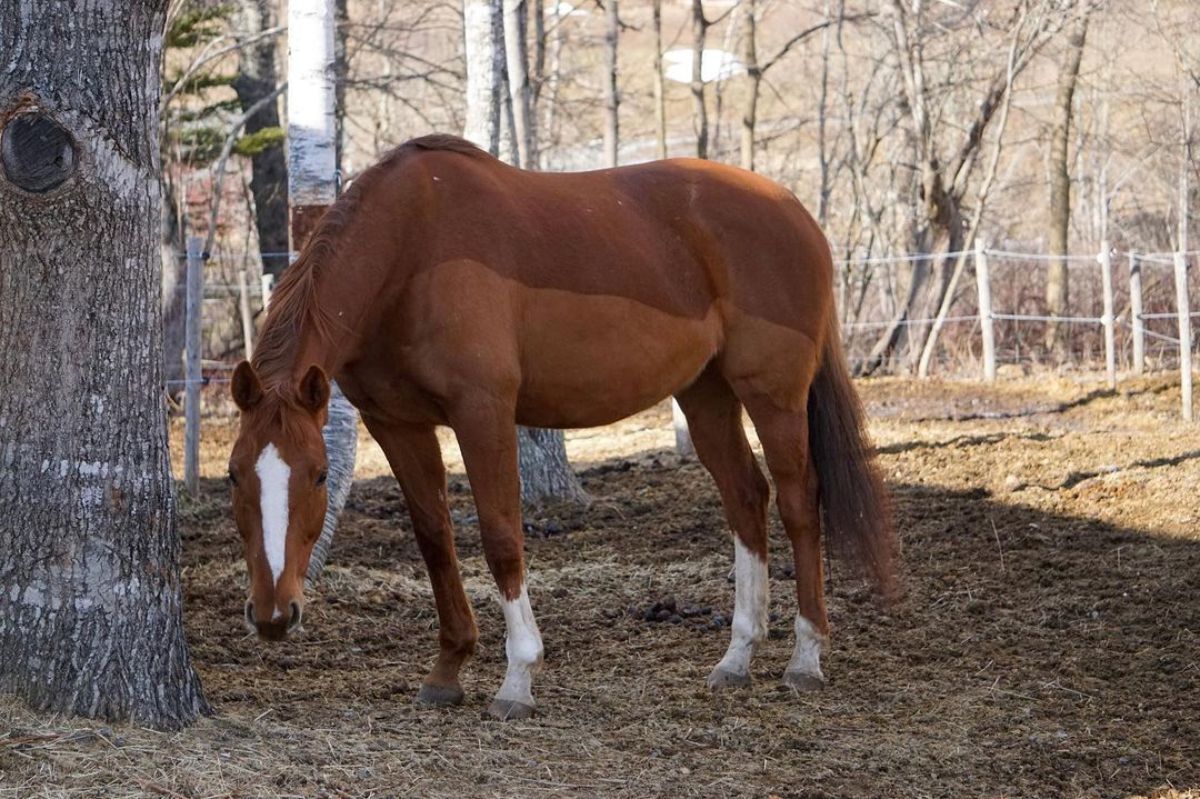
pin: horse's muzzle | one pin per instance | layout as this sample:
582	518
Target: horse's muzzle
278	629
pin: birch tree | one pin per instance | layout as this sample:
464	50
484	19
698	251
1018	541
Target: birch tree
90	612
312	187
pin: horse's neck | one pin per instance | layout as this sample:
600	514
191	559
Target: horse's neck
320	337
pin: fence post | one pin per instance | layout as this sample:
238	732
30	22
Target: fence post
1110	345
247	323
1135	311
1185	333
195	303
984	285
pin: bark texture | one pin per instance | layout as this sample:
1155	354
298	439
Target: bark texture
90	605
545	471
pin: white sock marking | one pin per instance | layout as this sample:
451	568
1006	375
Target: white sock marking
806	658
749	609
524	649
273	475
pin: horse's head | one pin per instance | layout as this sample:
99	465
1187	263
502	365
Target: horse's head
277	472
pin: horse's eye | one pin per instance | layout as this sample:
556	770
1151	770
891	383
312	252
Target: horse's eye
232	478
322	477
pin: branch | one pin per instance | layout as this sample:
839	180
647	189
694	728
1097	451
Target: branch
204	59
219	177
804	34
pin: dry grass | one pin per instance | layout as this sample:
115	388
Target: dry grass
1046	645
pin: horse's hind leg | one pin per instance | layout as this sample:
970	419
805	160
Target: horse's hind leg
783	431
416	459
714	418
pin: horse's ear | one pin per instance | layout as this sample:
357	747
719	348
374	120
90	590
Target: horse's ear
246	388
314	389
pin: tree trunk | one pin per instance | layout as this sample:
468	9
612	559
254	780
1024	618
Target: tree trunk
516	52
90	614
545	471
542	454
1057	278
341	72
660	95
312	187
257	78
482	36
699	29
612	100
174	270
749	56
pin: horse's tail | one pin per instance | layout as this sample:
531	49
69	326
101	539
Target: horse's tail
855	507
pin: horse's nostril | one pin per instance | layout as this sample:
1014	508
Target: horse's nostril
250	612
297	613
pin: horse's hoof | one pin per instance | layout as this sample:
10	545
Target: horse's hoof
720	679
509	710
800	681
440	695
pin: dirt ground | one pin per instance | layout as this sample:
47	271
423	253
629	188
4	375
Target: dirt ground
1046	646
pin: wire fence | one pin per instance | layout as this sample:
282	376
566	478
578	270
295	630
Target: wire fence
1135	317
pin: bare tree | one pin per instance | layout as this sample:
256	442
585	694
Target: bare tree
945	148
612	98
699	31
90	615
660	94
520	95
756	71
1057	285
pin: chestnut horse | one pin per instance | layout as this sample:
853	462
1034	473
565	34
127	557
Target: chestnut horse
448	288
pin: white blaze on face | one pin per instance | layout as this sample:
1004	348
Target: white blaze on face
273	475
523	647
749	609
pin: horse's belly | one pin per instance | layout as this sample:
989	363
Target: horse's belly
589	360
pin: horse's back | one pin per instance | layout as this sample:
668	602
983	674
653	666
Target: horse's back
606	291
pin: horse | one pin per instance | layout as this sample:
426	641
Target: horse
445	287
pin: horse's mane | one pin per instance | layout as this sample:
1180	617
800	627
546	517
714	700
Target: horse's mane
294	302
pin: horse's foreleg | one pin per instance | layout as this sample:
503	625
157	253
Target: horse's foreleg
487	436
416	459
715	421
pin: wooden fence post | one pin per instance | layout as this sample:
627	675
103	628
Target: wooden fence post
194	306
986	323
1110	346
247	321
1185	333
1135	312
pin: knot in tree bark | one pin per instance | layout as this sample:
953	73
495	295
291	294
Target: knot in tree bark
37	154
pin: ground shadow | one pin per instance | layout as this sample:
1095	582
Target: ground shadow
1033	654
